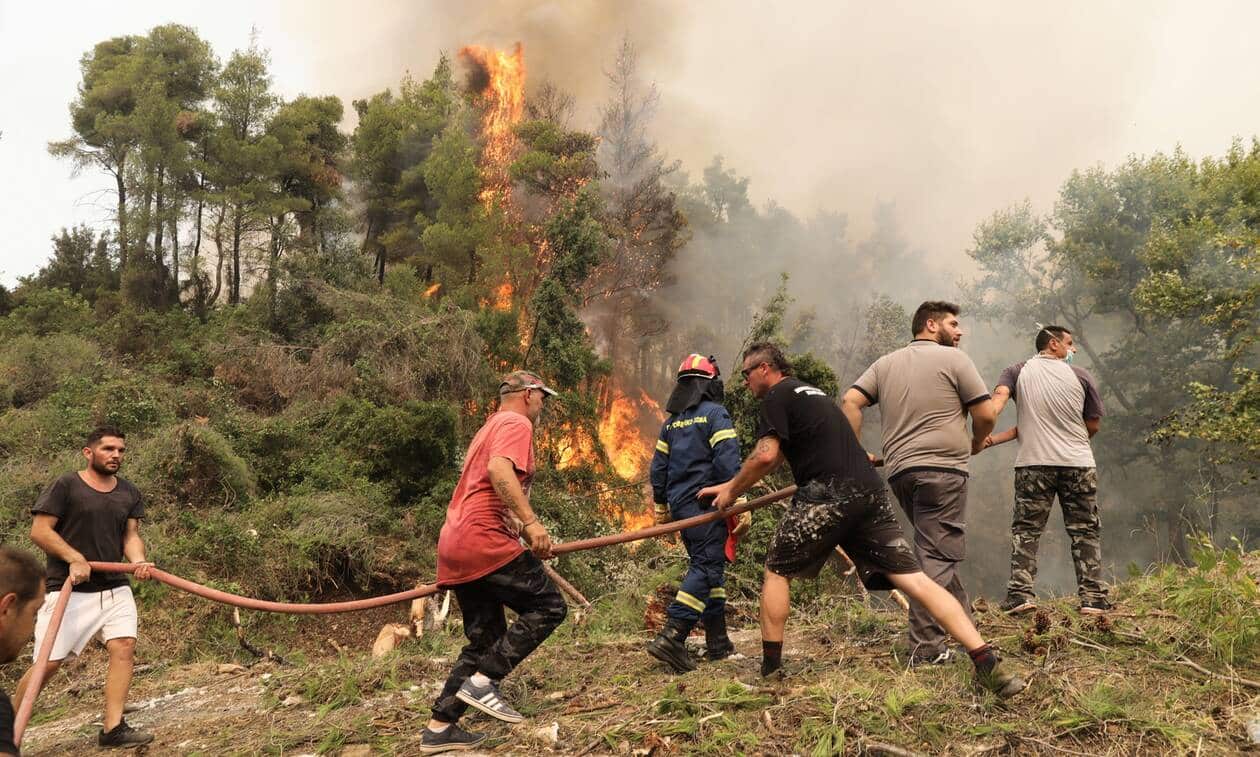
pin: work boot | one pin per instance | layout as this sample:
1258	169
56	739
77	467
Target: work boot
1017	605
1001	681
717	644
123	735
1097	606
670	647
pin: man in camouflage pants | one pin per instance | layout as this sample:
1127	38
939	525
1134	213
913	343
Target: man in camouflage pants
1060	410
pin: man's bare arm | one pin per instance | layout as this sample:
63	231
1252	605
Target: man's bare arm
1001	395
503	478
508	487
983	419
851	405
765	457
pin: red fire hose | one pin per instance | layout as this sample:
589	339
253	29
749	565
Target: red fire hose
250	603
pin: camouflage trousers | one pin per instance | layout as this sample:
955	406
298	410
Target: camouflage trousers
494	648
1036	486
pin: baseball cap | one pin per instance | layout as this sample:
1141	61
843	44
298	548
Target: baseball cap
518	381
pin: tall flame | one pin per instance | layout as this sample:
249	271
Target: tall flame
623	434
503	94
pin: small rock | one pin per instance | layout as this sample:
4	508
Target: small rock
231	667
549	735
266	676
293	700
556	696
1253	730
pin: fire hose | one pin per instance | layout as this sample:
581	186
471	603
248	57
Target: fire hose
40	667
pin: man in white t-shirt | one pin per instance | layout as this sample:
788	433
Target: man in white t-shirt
1060	410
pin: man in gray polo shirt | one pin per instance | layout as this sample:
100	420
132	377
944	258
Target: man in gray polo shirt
925	391
1060	410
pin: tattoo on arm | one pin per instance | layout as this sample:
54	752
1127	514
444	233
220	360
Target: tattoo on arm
763	446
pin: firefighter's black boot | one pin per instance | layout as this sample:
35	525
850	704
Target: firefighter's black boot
717	644
670	647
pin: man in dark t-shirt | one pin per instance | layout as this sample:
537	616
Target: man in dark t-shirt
840	502
21	594
85	516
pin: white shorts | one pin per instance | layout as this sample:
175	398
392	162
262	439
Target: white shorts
111	613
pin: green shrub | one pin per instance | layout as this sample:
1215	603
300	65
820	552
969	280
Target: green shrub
165	342
190	464
32	367
47	311
21	482
408	446
321	541
132	404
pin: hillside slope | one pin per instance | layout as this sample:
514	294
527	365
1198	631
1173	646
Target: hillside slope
1123	685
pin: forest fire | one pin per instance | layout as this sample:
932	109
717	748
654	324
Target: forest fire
499	77
624	435
503	297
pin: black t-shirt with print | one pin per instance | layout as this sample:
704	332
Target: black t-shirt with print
814	435
92	522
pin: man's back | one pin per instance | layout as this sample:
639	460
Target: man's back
813	435
1053	401
923	390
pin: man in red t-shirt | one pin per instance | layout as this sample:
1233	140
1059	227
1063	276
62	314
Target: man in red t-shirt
481	559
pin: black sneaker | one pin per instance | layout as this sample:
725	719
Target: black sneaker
1097	606
452	739
123	735
488	699
672	652
945	656
1017	605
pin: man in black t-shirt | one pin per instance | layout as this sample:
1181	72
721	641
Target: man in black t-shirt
86	516
21	594
840	502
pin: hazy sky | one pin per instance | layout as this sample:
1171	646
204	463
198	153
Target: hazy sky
952	110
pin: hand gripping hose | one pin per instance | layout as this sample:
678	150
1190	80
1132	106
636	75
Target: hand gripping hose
250	603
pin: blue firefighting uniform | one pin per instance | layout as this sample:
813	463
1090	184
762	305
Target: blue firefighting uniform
697	448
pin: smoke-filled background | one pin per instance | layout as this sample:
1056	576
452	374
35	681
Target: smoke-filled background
861	146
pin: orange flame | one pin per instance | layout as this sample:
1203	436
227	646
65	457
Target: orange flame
432	290
504	96
503	297
626	432
622	434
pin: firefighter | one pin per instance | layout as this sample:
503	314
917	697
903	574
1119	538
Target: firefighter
698	447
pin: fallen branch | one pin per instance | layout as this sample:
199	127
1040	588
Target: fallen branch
875	747
565	586
1048	745
261	654
1183	660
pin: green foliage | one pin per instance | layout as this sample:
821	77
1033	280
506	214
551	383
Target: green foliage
32	367
41	312
190	465
409	446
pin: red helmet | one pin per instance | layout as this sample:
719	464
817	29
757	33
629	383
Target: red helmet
698	365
